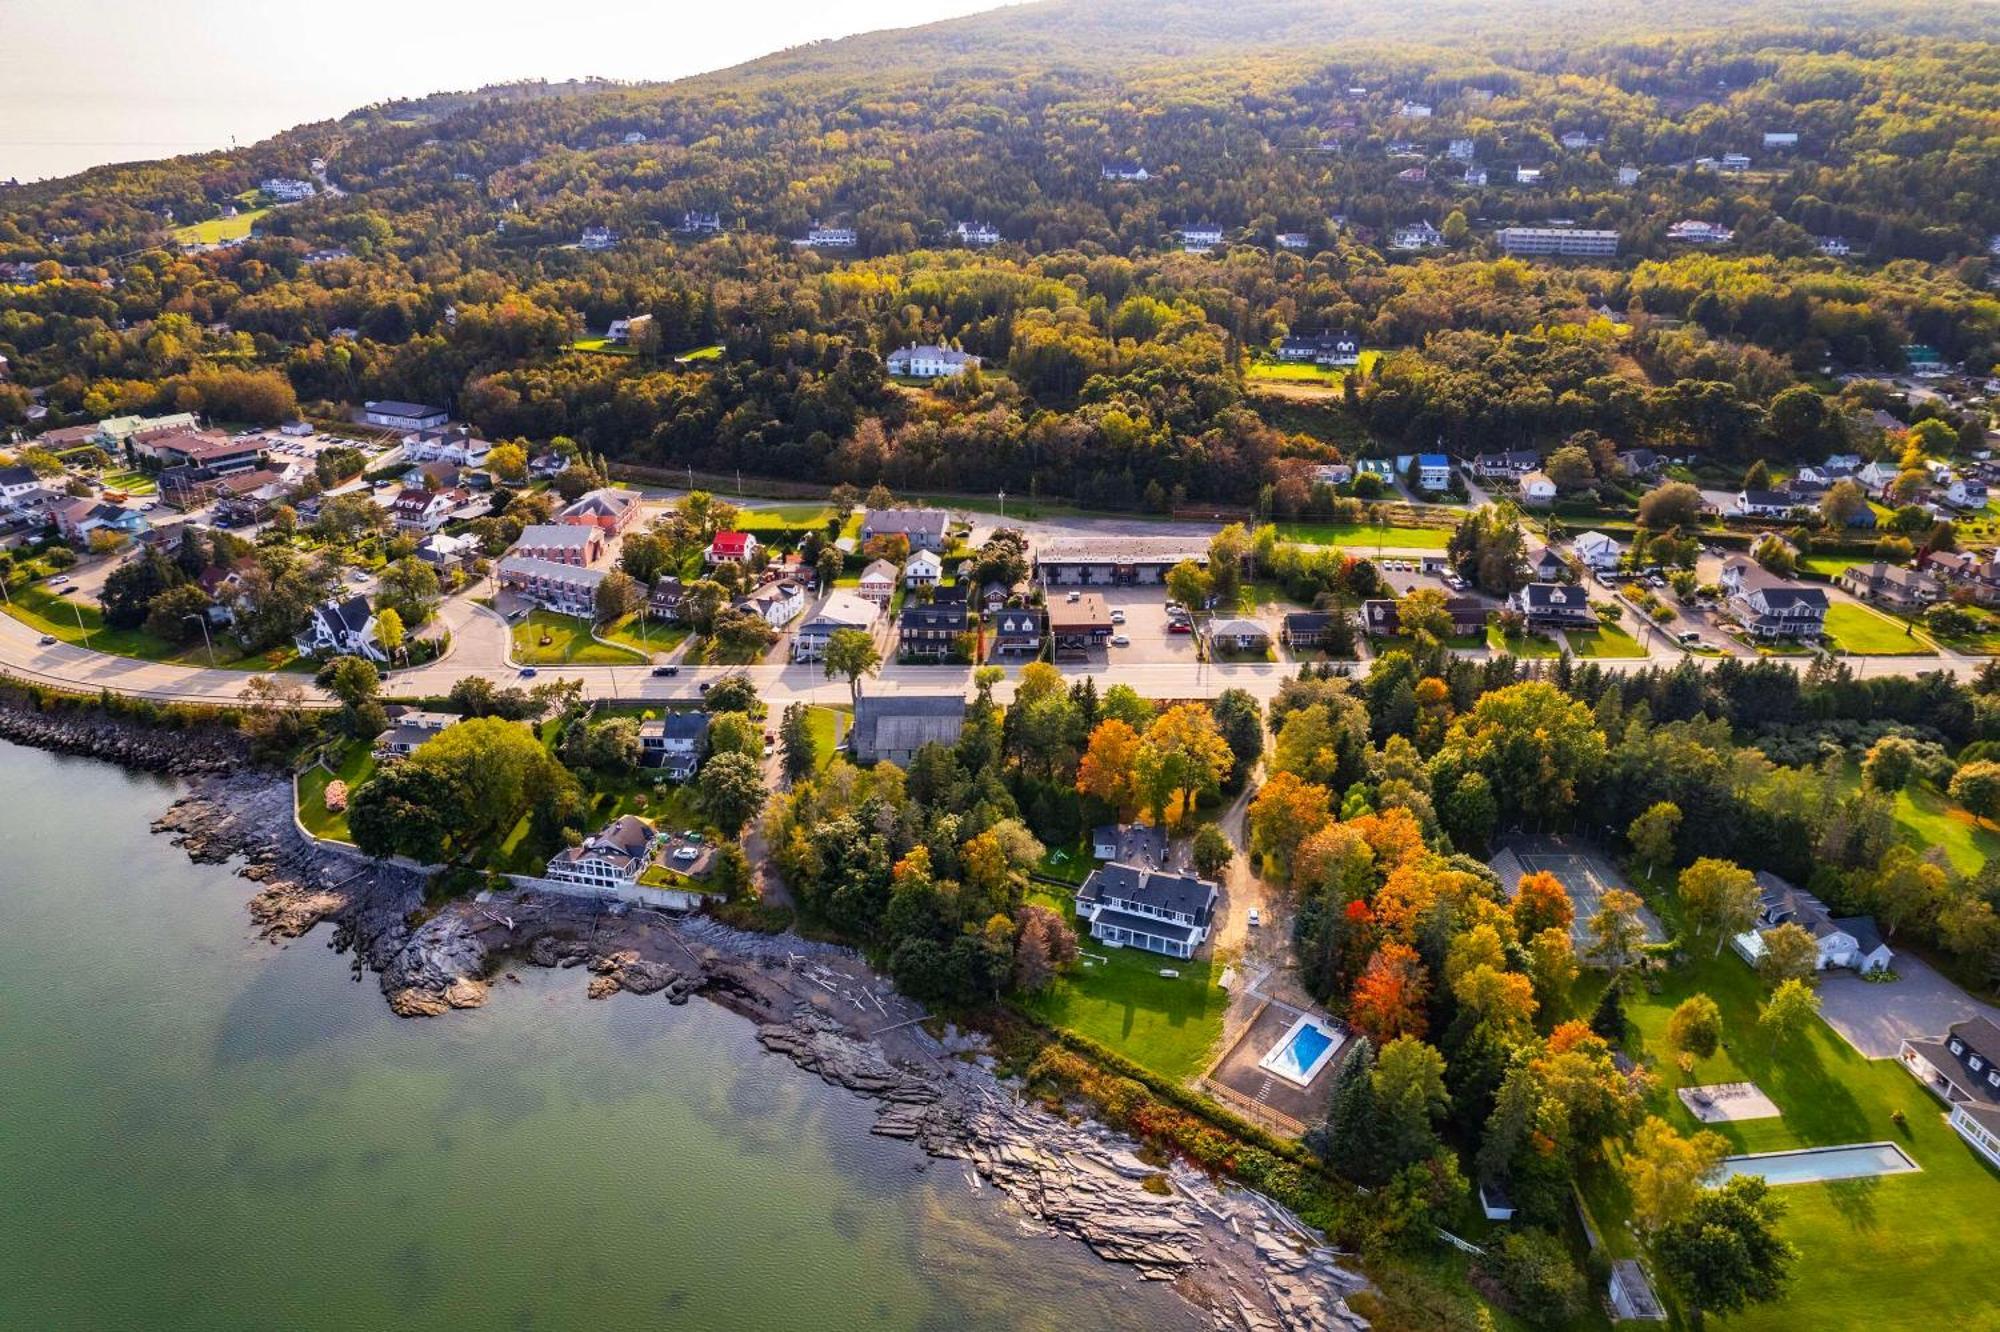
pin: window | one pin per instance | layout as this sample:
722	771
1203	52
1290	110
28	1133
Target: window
1993	1078
1957	1046
1977	1063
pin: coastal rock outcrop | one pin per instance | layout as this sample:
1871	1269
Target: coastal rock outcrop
186	752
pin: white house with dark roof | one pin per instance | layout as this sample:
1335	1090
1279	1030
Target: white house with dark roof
673	743
1851	942
614	857
1597	550
342	627
410	416
1962	1069
1130	906
1770	606
929	361
1340	348
1554	606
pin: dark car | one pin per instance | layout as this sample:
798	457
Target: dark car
704	686
48	640
529	672
666	670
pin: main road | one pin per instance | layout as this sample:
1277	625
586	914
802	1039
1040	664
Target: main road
480	643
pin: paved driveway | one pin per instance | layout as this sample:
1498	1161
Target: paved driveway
1875	1018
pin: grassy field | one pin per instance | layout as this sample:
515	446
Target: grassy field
1927	818
1829	567
1169	1024
1292	372
1893	1245
218	229
1863	632
1520	645
1984	641
569	643
603	347
132	483
356	765
825	726
782	516
655	638
712	352
1365	534
49	613
1607	640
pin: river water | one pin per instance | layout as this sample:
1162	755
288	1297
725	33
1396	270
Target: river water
199	1130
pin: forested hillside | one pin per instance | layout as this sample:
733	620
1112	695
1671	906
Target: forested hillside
443	264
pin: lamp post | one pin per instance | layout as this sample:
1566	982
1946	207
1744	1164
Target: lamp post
79	623
1003	506
206	641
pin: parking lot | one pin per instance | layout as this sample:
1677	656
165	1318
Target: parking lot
1145	611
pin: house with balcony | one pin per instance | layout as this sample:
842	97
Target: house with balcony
1770	607
1554	606
423	511
1131	906
1962	1069
674	743
613	857
932	633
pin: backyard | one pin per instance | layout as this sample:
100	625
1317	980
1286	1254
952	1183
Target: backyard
568	642
354	766
1607	640
1910	1234
1862	632
1520	645
1118	998
218	229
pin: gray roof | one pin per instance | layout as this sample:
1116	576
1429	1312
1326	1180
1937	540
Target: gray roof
1164	891
892	723
943	616
17	476
1135	843
392	408
1866	936
1153	925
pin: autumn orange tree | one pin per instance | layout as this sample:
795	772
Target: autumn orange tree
1388	999
1285	813
1107	770
1181	758
1541	904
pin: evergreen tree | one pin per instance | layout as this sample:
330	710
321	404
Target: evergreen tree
1352	1150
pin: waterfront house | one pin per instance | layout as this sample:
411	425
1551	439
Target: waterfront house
411	728
614	857
1162	912
1962	1069
891	728
341	627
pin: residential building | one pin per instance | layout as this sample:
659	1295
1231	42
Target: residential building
1554	606
1527	175
244	499
976	233
1131	844
1781	138
1734	163
1200	237
1078	622
341	627
418	510
622	332
1965	492
1641	462
1833	247
1326	348
596	238
1538	488
1420	235
1236	634
1963	1070
1468	615
1566	242
612	858
663	598
1122	171
1130	906
878	582
446	552
1115	560
842	610
1891	584
17	483
1433	472
406	416
777	604
929	361
1414	111
1771	607
1597	551
609	510
117	431
1577	140
184	448
76	519
1293	240
1308	629
674	743
891	728
411	728
1628	176
1549	567
455	445
1768	503
1461	150
696	222
926	529
932	632
560	543
1851	942
555	585
923	569
286	189
731	548
1700	233
1017	632
1510	465
1976	575
830	238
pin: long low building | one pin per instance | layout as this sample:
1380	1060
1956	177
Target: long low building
553	586
1108	561
1568	242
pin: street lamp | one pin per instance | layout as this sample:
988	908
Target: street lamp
1003	506
206	642
79	623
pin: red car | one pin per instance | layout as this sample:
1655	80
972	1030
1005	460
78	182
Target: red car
1180	627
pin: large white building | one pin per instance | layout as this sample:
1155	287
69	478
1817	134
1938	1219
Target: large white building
1963	1071
1131	906
928	361
1563	241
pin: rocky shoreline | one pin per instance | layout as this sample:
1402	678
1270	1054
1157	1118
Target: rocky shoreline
1234	1255
194	751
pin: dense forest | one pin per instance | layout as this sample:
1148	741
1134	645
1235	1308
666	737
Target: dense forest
443	265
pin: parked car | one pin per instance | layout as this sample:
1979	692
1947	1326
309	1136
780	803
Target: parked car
1180	627
48	640
704	686
1120	640
666	670
58	580
1253	918
1117	617
685	854
529	672
1691	638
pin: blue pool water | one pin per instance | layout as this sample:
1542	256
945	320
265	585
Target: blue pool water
1815	1164
1308	1043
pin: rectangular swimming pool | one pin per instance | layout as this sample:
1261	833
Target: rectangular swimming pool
1302	1051
1814	1165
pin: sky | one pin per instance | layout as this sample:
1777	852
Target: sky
84	82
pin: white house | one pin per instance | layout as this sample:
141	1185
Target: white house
1781	138
615	857
923	569
976	233
673	743
1700	233
285	189
1200	237
1538	488
1414	111
341	628
1131	906
16	484
597	238
1769	606
930	362
830	238
778	604
1963	1071
1628	176
843	610
1965	493
1596	550
1851	942
424	511
1765	503
1419	235
730	548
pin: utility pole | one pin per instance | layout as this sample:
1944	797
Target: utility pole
206	641
1003	506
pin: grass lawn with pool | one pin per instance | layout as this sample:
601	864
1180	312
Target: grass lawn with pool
1895	1244
50	613
1863	632
1169	1024
1387	535
568	643
1607	640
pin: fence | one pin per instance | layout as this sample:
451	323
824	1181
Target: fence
1263	1116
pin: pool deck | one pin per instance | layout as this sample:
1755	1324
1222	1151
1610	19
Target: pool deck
1245	1083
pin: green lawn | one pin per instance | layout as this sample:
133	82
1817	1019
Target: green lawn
47	612
569	643
131	482
1983	641
1387	535
1520	645
1607	640
356	765
1864	632
218	229
1829	567
825	726
603	347
1893	1246
1283	372
645	637
712	352
1927	817
1170	1025
781	516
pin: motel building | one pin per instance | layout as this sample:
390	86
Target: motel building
1129	906
1963	1071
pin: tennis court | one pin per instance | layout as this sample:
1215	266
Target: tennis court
1586	875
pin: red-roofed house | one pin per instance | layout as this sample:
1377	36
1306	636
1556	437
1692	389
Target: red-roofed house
731	548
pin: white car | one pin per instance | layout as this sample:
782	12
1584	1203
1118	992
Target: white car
1254	918
686	853
1120	640
1117	617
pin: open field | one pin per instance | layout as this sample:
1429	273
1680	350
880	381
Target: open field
1387	535
1169	1024
1607	640
1890	1244
1829	567
1520	645
1863	632
569	643
82	624
645	637
218	229
602	347
712	352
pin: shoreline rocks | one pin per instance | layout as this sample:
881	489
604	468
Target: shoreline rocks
194	751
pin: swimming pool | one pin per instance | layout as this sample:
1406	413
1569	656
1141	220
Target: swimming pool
1302	1051
1816	1164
